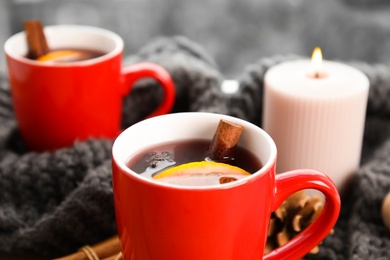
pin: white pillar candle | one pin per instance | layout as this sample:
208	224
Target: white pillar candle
316	117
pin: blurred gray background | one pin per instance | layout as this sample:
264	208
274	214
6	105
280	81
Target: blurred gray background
234	32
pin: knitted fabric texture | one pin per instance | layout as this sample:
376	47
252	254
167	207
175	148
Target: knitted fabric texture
194	72
51	204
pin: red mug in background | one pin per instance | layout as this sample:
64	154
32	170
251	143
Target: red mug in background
162	221
58	103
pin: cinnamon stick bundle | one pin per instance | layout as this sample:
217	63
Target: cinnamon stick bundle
109	249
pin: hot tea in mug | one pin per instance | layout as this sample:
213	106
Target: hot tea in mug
198	162
40	50
157	159
70	55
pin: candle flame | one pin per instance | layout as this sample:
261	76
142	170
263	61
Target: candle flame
316	62
317	55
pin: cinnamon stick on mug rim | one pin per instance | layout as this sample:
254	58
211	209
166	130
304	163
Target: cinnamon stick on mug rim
224	141
36	40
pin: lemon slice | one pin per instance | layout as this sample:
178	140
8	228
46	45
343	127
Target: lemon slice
61	56
201	173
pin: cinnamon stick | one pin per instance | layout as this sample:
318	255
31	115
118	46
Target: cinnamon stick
224	141
105	249
36	40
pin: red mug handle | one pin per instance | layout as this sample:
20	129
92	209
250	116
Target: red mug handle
135	72
290	182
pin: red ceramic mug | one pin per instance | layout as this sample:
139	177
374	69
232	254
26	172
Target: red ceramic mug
56	104
163	221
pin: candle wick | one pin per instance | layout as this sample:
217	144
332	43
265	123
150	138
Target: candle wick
317	74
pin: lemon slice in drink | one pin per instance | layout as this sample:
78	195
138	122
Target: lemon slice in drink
62	56
201	173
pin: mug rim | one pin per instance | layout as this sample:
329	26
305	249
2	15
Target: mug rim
120	161
10	51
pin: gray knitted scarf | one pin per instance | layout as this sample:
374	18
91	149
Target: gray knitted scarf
51	204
